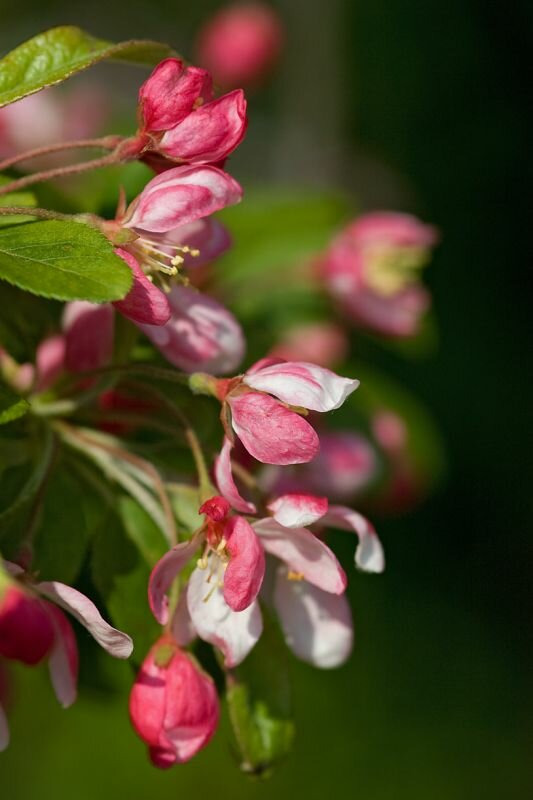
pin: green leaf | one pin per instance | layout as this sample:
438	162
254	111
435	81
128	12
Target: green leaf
142	530
26	199
33	482
258	697
63	533
12	406
64	261
185	501
25	321
55	55
121	576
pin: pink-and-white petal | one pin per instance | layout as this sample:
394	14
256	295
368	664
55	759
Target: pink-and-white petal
165	572
115	642
63	661
369	555
49	361
144	302
304	553
234	632
246	569
271	432
225	483
201	334
298	510
89	335
182	628
181	195
300	383
209	134
317	625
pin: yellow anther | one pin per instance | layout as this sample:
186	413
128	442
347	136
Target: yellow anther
295	576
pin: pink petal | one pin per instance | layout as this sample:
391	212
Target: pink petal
270	432
144	302
392	315
298	510
233	632
317	625
303	384
393	228
216	508
181	195
225	483
246	569
304	553
63	661
50	361
182	629
89	335
201	334
369	554
165	572
170	93
4	730
210	133
115	642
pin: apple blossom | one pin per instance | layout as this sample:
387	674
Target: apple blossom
241	43
372	268
271	428
182	122
174	706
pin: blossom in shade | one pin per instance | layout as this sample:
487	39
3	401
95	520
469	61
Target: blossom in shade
372	269
323	343
174	706
182	122
33	628
265	408
241	43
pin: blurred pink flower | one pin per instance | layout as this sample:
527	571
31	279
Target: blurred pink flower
241	44
323	343
372	269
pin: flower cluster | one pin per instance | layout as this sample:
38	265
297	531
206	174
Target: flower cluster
242	515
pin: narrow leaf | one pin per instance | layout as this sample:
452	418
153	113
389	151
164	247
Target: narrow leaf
12	406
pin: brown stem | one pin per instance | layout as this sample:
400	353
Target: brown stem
104	142
43	213
59	172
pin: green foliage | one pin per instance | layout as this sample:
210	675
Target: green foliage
258	697
57	54
12	406
15	199
63	260
25	320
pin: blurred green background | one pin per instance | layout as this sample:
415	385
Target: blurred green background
415	106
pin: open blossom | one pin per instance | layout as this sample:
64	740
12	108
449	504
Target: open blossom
372	268
210	611
241	43
264	408
32	628
167	223
182	122
173	704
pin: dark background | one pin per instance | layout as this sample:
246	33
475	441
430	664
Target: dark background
436	702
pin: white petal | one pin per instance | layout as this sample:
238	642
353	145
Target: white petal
300	383
369	555
115	642
63	660
298	510
317	625
182	628
233	632
304	553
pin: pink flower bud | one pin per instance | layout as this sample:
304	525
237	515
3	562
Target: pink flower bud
241	44
372	268
345	464
26	632
173	705
89	335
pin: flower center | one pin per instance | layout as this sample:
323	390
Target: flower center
389	269
161	261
